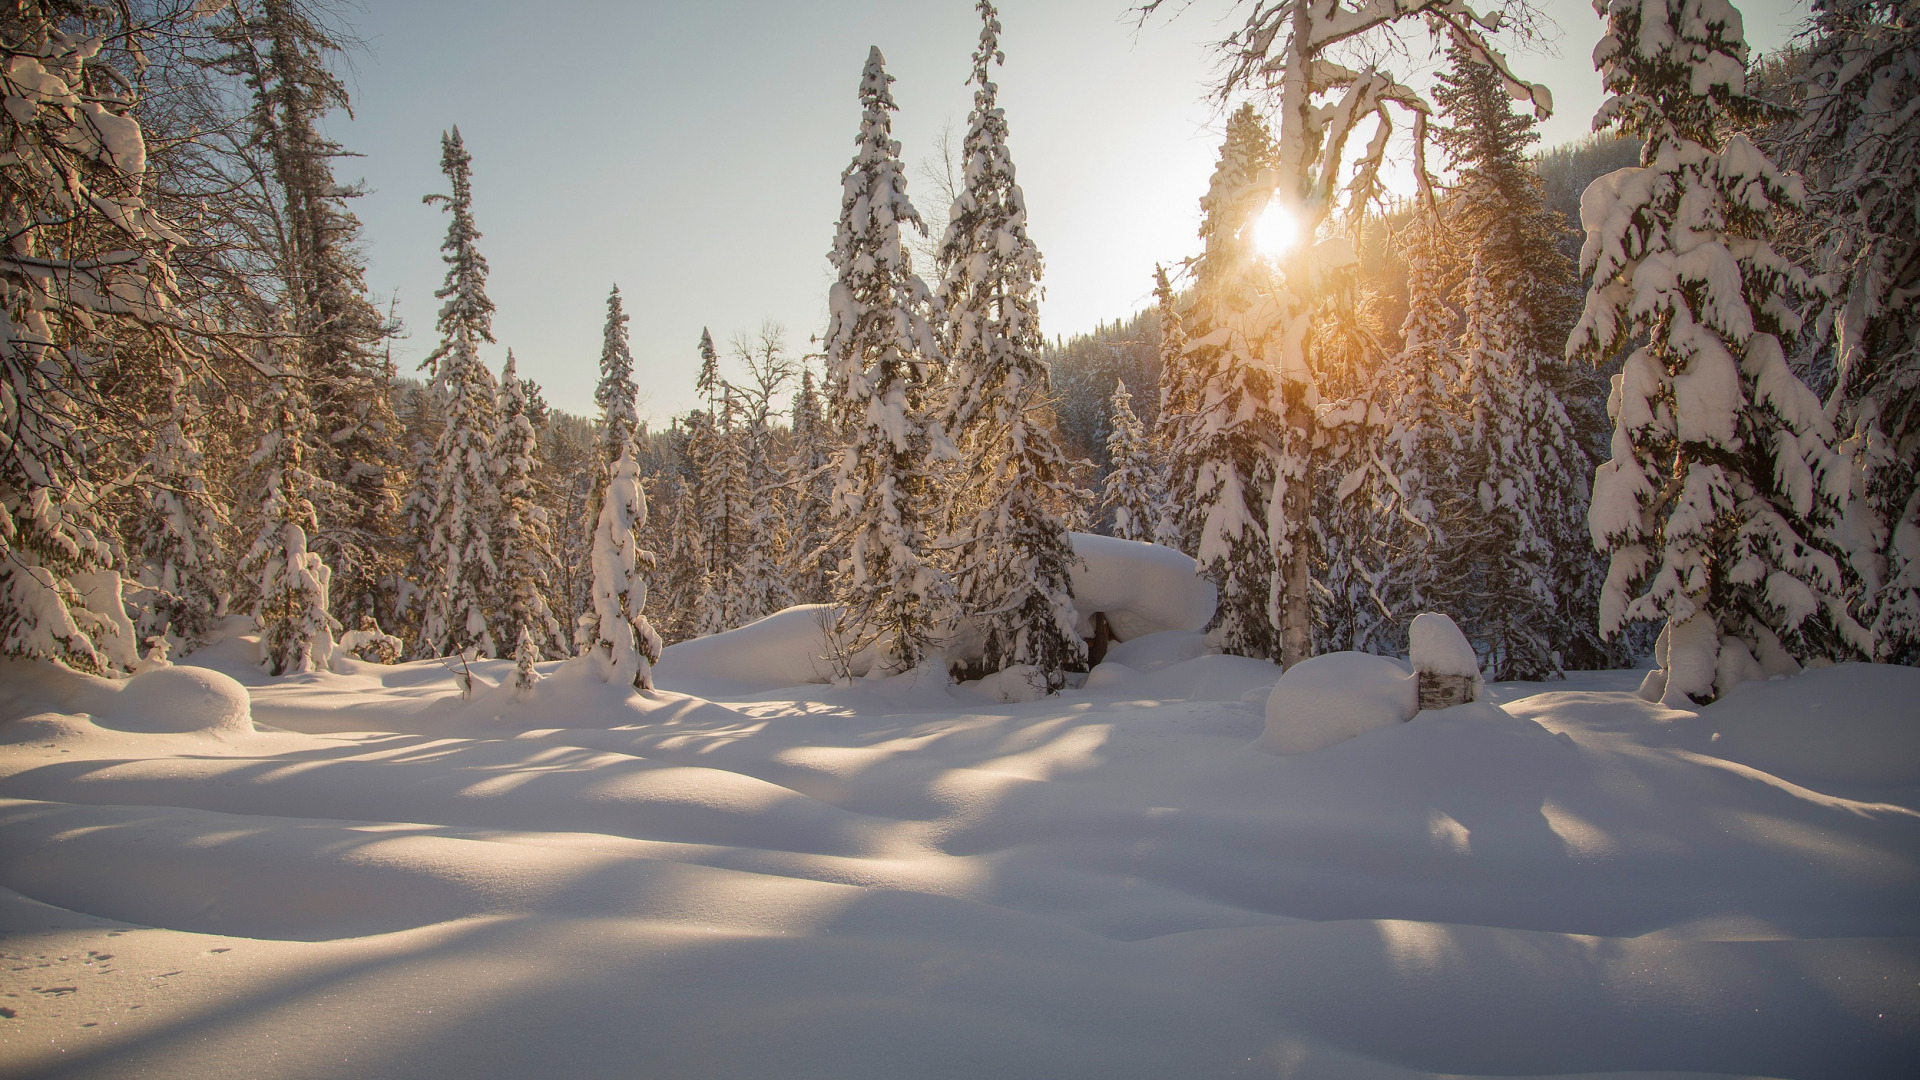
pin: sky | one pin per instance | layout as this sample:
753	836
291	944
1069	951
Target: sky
691	153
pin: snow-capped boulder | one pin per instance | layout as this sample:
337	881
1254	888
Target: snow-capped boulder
1331	698
787	648
1143	588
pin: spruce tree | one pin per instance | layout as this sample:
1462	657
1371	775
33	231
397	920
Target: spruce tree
1423	446
884	363
1857	142
286	582
810	476
174	543
1013	558
1176	427
460	531
1518	544
525	554
1132	493
1247	448
1725	478
614	630
281	49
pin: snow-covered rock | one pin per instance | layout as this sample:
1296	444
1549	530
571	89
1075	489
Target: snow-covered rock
1331	698
1143	588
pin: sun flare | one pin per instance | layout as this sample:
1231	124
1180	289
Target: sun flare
1275	232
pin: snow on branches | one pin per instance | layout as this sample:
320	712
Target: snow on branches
1725	480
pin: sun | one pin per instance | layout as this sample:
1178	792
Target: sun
1276	231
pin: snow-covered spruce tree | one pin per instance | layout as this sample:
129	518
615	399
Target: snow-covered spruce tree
1013	559
1285	51
1132	493
460	613
174	537
883	365
280	50
1350	490
614	631
1725	477
1176	429
1246	447
1519	543
284	581
1857	143
1422	444
525	554
83	272
810	478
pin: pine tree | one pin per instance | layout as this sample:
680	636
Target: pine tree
1519	541
525	555
285	580
883	365
460	531
1013	559
1132	493
1349	488
1724	477
84	273
174	543
614	631
1858	145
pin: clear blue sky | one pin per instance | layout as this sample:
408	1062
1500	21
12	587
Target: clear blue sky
691	152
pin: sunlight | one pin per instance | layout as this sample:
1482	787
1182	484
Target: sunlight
1275	232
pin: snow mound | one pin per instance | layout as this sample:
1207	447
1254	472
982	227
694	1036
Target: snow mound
1108	674
787	648
1159	650
1331	698
1021	682
1143	588
179	699
1849	723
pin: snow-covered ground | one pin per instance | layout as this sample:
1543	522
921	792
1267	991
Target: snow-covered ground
902	880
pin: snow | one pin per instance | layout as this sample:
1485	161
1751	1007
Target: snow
1331	698
1436	644
1144	588
898	877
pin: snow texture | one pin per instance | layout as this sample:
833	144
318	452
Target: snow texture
1435	643
901	878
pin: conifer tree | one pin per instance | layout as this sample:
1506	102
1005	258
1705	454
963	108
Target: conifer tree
1013	557
1724	477
614	631
174	543
1176	428
460	531
280	49
1422	444
1857	142
1247	444
1285	50
285	580
809	472
884	362
1518	544
1132	493
525	555
84	272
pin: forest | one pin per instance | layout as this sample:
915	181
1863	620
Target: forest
1651	391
